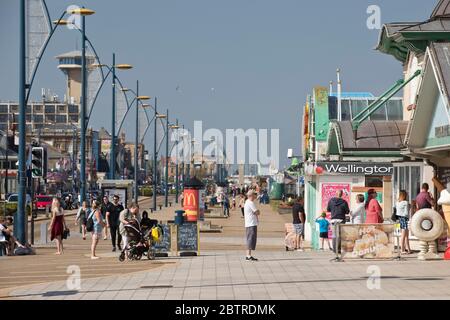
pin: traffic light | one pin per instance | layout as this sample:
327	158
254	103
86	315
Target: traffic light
37	162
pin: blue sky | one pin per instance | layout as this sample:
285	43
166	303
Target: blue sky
262	57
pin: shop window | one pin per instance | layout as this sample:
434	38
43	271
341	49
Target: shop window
374	182
408	178
3	108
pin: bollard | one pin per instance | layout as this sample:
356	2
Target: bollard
44	233
160	207
151	210
170	204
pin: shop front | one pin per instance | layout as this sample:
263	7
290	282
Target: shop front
324	179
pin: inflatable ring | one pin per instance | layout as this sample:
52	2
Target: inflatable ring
427	225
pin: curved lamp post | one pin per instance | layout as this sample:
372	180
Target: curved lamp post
138	99
24	92
112	70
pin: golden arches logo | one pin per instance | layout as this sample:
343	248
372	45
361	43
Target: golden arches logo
190	200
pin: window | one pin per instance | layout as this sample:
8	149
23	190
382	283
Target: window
73	118
380	114
38	118
73	108
3	108
28	109
61	109
61	118
14	108
332	108
345	110
4	118
395	109
37	108
408	178
50	118
358	106
49	109
28	117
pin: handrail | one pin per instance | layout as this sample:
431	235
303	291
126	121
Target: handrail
374	106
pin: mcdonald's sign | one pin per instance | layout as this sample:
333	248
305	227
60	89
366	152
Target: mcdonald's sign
191	201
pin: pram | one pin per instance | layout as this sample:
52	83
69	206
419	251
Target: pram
140	241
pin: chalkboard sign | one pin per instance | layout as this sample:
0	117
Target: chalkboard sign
165	244
187	237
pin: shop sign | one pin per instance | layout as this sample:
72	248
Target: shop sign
367	241
356	168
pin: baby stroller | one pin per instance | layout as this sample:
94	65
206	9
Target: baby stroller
140	240
139	243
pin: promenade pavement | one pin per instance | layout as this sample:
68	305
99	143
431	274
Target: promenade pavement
221	272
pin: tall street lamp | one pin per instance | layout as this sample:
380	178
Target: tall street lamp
112	69
166	173
21	220
177	181
155	153
83	12
138	99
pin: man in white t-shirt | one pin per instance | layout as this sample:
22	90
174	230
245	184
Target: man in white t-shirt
251	214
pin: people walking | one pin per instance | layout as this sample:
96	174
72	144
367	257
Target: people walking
99	225
298	220
113	222
226	206
251	214
374	212
358	215
242	204
324	225
81	218
424	199
105	210
132	212
57	225
339	209
402	209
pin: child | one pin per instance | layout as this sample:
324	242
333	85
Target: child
323	226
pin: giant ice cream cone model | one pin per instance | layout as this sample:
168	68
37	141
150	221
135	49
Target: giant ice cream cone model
444	201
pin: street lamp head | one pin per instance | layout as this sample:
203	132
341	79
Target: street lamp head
146	105
124	89
97	65
124	66
174	127
161	116
144	98
61	22
81	11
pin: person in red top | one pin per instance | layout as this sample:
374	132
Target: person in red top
424	199
373	209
